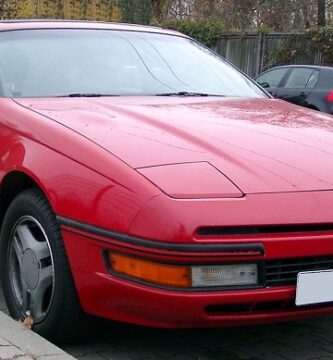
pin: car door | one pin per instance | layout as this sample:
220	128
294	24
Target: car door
271	79
298	85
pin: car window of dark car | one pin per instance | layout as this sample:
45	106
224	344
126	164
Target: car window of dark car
312	82
271	78
299	78
66	62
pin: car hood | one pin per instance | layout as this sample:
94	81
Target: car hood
261	145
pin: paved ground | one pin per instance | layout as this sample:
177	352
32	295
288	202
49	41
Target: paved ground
305	340
17	342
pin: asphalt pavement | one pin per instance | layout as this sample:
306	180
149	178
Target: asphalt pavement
302	340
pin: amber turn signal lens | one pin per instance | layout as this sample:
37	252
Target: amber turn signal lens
161	274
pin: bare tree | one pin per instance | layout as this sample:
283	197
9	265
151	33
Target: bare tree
321	21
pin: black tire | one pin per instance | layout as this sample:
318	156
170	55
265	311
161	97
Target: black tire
30	232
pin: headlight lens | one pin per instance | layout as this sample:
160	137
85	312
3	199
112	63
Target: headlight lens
184	276
225	275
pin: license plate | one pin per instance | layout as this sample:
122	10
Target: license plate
314	287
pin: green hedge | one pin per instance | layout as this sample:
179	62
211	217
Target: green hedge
318	39
205	31
322	39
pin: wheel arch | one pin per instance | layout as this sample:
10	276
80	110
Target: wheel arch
12	184
49	325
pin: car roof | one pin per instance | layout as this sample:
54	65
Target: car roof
26	24
301	66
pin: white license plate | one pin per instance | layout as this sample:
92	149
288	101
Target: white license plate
314	287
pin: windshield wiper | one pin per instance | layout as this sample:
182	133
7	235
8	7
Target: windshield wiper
86	95
180	93
186	93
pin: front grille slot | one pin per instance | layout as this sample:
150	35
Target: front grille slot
258	307
262	229
284	272
249	308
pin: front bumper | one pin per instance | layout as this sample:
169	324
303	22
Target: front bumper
105	295
121	300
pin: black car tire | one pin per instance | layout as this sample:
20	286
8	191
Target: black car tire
35	273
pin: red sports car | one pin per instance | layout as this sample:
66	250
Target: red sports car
145	180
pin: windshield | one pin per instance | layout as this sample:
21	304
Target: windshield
80	62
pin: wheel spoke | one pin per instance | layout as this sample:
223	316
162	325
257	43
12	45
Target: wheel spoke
18	251
25	236
28	241
16	270
41	250
25	301
38	294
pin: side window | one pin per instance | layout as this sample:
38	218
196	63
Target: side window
271	79
299	78
312	82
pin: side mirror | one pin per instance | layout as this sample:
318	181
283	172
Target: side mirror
264	84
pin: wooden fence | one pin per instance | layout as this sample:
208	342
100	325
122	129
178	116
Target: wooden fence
255	53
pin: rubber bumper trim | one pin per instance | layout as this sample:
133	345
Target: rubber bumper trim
233	249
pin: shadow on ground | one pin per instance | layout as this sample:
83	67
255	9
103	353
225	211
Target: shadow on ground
304	340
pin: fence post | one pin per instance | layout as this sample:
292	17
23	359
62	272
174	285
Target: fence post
258	55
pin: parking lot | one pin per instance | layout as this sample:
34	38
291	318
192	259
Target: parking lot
304	340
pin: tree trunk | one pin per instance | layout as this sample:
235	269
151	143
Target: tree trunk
305	14
321	21
157	9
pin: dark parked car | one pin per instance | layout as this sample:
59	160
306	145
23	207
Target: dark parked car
305	85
